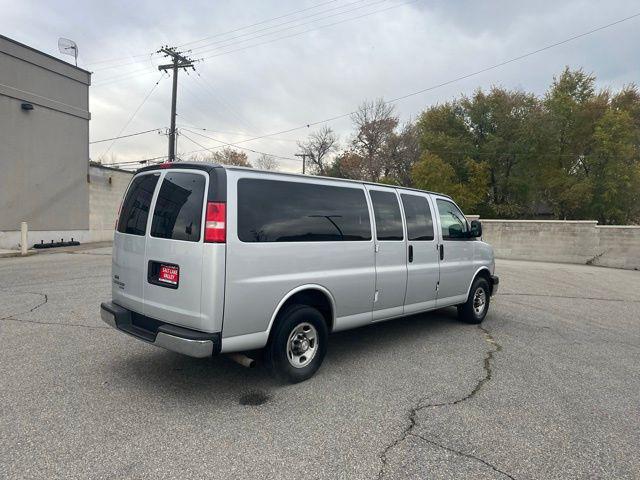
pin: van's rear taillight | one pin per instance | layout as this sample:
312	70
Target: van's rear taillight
215	226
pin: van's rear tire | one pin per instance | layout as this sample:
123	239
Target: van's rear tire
298	344
477	305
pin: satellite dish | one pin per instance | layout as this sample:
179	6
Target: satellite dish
68	47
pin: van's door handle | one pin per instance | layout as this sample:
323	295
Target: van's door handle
410	253
441	252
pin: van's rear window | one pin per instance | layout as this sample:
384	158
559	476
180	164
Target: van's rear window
277	211
135	208
178	211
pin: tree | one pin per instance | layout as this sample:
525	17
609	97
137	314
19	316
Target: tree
403	151
615	170
375	123
571	153
494	129
266	162
226	156
571	110
347	165
434	174
318	148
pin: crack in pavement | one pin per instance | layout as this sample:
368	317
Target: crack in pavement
462	454
22	320
45	300
12	318
408	431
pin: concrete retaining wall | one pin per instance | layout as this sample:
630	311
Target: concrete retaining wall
569	241
619	247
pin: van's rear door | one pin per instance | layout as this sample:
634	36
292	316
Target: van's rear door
173	260
129	243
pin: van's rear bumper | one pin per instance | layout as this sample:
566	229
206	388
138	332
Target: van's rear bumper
174	338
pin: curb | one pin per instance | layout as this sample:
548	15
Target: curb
17	254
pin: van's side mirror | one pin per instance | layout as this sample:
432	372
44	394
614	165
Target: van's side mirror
476	229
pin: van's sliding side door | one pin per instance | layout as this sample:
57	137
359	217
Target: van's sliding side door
391	253
423	269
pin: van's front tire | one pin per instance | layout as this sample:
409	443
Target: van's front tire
477	305
298	344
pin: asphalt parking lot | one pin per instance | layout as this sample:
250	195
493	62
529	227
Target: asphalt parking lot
548	387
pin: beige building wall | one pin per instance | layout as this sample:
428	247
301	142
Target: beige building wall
106	190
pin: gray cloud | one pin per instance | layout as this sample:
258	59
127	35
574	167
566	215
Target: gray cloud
317	74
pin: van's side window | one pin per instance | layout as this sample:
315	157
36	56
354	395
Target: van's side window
135	208
278	211
387	214
178	211
452	221
418	215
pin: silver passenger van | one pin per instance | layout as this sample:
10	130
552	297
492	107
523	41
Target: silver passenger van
210	259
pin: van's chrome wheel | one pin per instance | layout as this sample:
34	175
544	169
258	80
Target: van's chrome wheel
302	345
477	305
298	343
479	301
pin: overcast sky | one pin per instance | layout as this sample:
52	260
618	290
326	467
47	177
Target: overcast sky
253	81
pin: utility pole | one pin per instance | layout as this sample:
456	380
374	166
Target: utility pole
178	61
304	157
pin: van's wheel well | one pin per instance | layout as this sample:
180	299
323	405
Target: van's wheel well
312	298
487	276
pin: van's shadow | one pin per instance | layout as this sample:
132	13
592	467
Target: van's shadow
220	380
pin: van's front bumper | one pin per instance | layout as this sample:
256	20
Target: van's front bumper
495	281
174	338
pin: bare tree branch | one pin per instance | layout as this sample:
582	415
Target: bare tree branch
318	148
266	162
375	123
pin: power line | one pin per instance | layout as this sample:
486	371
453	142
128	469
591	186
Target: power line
135	73
116	78
139	55
448	82
515	59
307	31
126	136
217	34
211	90
227	132
257	23
130	62
131	118
433	87
266	29
251	34
231	145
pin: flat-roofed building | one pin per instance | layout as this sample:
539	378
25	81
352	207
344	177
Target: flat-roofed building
44	146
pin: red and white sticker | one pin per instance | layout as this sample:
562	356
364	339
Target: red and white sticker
169	274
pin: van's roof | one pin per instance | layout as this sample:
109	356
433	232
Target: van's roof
208	166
